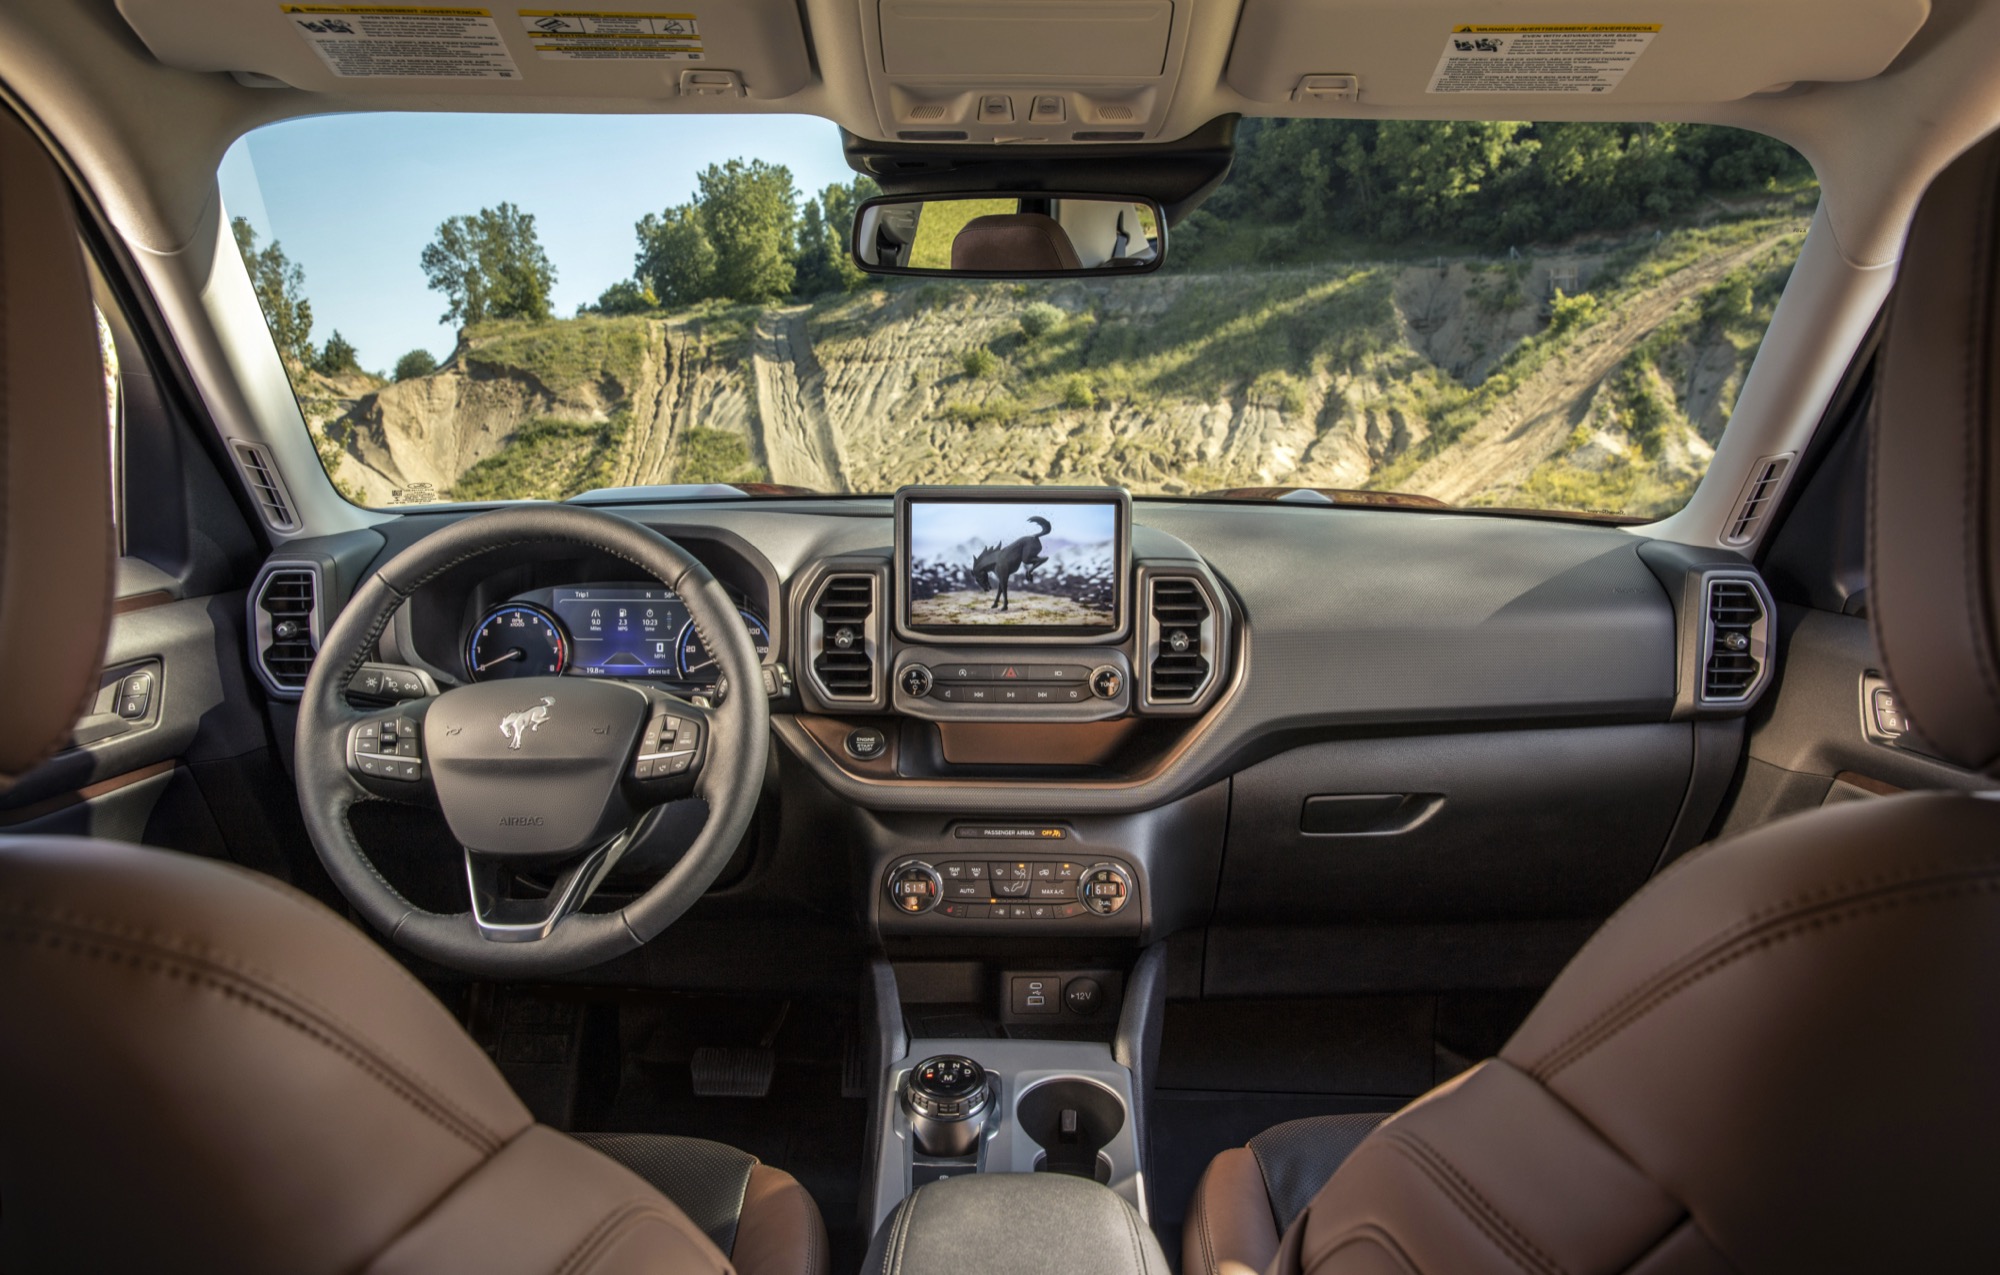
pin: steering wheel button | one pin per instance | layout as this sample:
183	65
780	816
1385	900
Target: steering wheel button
677	764
367	745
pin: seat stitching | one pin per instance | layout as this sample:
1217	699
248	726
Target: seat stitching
1659	995
1132	1238
1470	1202
205	955
298	1016
599	1237
1817	896
1207	1239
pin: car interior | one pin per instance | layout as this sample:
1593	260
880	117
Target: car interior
1428	871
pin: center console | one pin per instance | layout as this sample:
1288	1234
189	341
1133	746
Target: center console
960	1107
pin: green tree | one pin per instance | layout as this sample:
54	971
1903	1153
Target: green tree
279	284
337	357
676	260
826	227
623	297
490	265
750	211
414	364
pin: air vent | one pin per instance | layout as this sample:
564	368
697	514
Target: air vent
843	642
1755	502
284	614
261	476
1180	639
1733	646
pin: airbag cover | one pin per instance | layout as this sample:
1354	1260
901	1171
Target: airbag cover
531	766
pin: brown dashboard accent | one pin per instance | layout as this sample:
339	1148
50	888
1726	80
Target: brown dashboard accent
831	733
141	602
1033	743
63	801
1866	783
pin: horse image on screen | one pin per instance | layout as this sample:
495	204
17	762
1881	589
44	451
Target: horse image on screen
1013	563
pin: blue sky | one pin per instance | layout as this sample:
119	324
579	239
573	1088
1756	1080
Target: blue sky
938	528
354	199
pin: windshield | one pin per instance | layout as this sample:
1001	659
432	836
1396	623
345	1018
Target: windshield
498	307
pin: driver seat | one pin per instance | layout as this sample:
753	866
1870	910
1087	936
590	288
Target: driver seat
203	1069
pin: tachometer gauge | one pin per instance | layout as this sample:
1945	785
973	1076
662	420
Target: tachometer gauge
697	665
516	640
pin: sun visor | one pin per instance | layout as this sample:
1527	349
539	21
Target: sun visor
698	48
1438	53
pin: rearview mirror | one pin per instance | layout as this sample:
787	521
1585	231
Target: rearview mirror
1009	236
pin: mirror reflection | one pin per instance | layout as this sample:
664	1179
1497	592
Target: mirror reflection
988	235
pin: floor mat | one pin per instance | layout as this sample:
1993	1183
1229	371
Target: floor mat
636	1079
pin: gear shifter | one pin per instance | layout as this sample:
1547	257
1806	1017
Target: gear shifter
946	1099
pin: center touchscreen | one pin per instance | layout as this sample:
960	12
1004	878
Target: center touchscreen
1050	564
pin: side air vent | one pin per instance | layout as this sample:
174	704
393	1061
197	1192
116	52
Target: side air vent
261	476
1735	624
1180	640
1755	503
284	614
843	637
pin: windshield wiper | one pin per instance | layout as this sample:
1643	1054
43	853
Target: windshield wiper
1408	500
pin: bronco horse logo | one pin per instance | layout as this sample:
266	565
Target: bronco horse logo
515	725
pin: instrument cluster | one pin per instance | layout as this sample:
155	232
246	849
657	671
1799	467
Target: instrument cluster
598	630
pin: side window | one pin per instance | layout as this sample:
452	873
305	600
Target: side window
114	415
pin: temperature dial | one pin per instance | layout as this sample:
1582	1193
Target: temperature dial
1104	888
915	887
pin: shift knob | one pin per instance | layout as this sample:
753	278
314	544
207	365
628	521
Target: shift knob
946	1099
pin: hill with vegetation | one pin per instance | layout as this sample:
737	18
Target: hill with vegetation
1554	316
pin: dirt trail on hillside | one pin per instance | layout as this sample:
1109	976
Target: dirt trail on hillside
649	440
798	442
1530	424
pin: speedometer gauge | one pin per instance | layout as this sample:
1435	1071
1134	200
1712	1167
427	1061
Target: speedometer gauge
697	665
516	640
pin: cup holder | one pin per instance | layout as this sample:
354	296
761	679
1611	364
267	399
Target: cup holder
1072	1121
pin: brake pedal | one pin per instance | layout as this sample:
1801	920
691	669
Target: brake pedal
732	1071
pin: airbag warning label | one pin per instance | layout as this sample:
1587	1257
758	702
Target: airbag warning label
404	41
1549	58
579	35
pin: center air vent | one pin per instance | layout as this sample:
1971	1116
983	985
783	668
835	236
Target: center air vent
842	638
1735	626
1180	640
284	614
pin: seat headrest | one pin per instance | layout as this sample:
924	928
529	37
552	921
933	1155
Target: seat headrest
55	468
1014	241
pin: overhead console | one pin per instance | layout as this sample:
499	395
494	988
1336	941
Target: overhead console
1024	70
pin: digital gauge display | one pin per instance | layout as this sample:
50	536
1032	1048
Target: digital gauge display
622	632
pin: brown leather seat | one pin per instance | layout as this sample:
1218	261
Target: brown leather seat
1781	1054
1014	243
202	1069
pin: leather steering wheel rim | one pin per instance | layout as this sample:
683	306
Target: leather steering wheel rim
730	780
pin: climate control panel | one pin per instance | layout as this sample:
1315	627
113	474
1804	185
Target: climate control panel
1009	889
1047	685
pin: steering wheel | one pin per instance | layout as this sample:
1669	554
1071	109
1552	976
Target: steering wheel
557	774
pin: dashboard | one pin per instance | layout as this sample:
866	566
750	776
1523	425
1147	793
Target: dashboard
1190	705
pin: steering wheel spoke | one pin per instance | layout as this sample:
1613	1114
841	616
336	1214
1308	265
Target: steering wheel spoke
502	918
385	753
668	763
